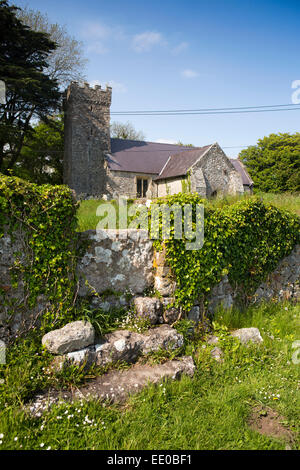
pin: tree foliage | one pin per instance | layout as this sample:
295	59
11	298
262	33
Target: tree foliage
30	92
41	159
125	131
274	163
66	62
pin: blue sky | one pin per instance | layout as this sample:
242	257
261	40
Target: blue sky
189	54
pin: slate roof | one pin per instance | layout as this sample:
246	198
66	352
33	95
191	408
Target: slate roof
238	165
141	157
181	162
160	160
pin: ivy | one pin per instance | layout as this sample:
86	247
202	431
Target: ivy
46	218
245	240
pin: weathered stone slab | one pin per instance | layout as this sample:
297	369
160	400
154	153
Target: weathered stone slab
72	337
148	308
116	385
163	337
117	260
246	335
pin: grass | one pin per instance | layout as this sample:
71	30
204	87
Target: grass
288	201
87	218
209	411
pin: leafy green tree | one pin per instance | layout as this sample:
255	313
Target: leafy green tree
184	145
125	131
41	159
274	163
30	92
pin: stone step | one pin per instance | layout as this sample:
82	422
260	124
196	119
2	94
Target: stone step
117	385
123	345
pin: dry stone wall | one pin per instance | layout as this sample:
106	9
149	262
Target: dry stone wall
116	260
120	262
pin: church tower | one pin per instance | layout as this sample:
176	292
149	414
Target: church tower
87	138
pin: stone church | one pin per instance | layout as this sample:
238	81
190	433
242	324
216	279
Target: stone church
97	165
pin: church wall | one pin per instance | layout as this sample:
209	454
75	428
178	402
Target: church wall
218	173
123	183
169	187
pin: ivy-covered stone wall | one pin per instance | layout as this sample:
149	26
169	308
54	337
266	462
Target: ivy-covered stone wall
38	249
243	244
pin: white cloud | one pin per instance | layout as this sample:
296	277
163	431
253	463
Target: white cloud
189	73
180	48
94	30
97	47
116	86
145	41
97	35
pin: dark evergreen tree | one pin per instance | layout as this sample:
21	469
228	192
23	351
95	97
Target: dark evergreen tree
30	92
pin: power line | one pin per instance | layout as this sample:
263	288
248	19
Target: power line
206	109
209	109
194	113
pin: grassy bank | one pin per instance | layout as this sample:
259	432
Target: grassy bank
210	411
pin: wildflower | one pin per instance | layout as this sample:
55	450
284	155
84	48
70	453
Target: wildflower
15	439
42	444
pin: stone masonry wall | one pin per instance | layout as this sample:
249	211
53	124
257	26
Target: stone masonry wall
123	183
87	138
169	187
219	174
116	260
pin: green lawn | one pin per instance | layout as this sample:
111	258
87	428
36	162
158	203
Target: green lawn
86	215
87	218
209	411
